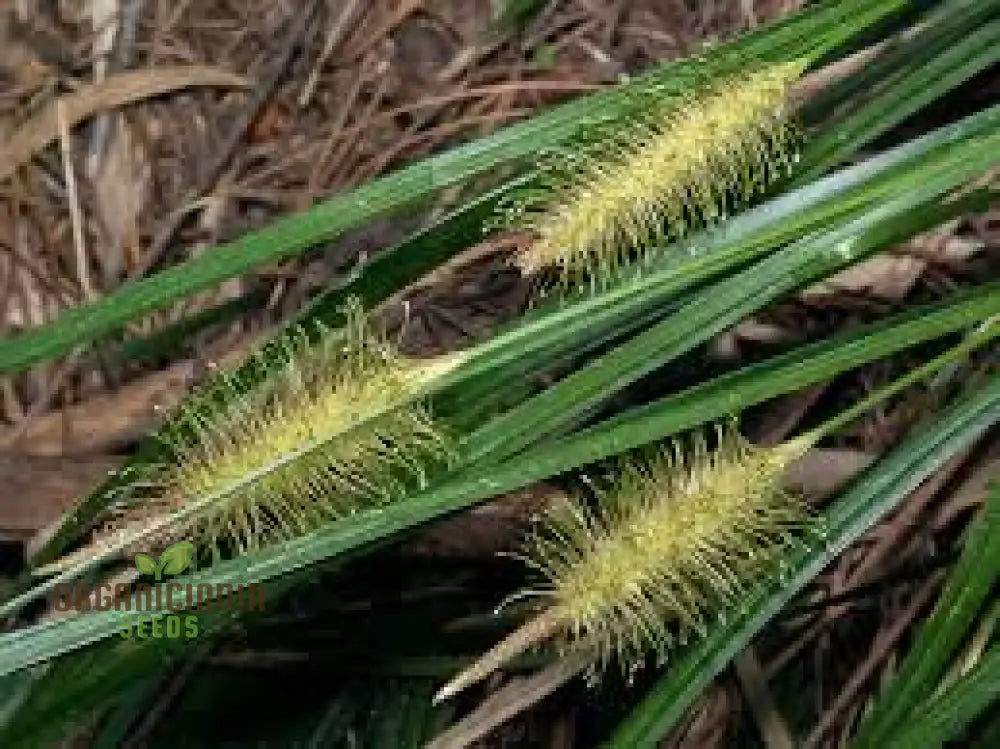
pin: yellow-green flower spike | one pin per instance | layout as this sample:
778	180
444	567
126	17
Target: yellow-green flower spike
337	428
691	164
672	543
668	547
661	554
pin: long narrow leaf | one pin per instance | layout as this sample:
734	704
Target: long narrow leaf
684	411
968	586
812	32
876	493
973	44
943	718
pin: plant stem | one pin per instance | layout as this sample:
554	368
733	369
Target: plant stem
986	332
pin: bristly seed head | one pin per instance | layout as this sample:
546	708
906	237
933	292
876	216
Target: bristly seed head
667	547
334	429
688	163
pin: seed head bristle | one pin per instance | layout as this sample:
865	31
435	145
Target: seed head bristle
670	544
668	547
334	430
685	165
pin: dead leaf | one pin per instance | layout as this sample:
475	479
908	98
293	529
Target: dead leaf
104	21
104	422
517	695
819	473
122	185
884	276
37	490
951	249
115	91
273	122
890	276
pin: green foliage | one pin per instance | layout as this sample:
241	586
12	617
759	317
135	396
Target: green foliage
968	588
580	326
642	425
874	494
817	30
552	392
943	718
958	41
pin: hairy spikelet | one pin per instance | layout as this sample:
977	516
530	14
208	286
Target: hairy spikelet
332	430
665	550
691	160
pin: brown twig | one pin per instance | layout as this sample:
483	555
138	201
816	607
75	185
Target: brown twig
334	35
261	92
115	91
519	694
880	649
73	199
772	726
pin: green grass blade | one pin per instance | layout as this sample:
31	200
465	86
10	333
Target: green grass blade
973	44
968	587
811	32
723	304
935	722
943	25
670	416
799	368
876	493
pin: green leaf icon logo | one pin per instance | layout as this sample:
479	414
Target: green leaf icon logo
146	564
173	561
176	558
